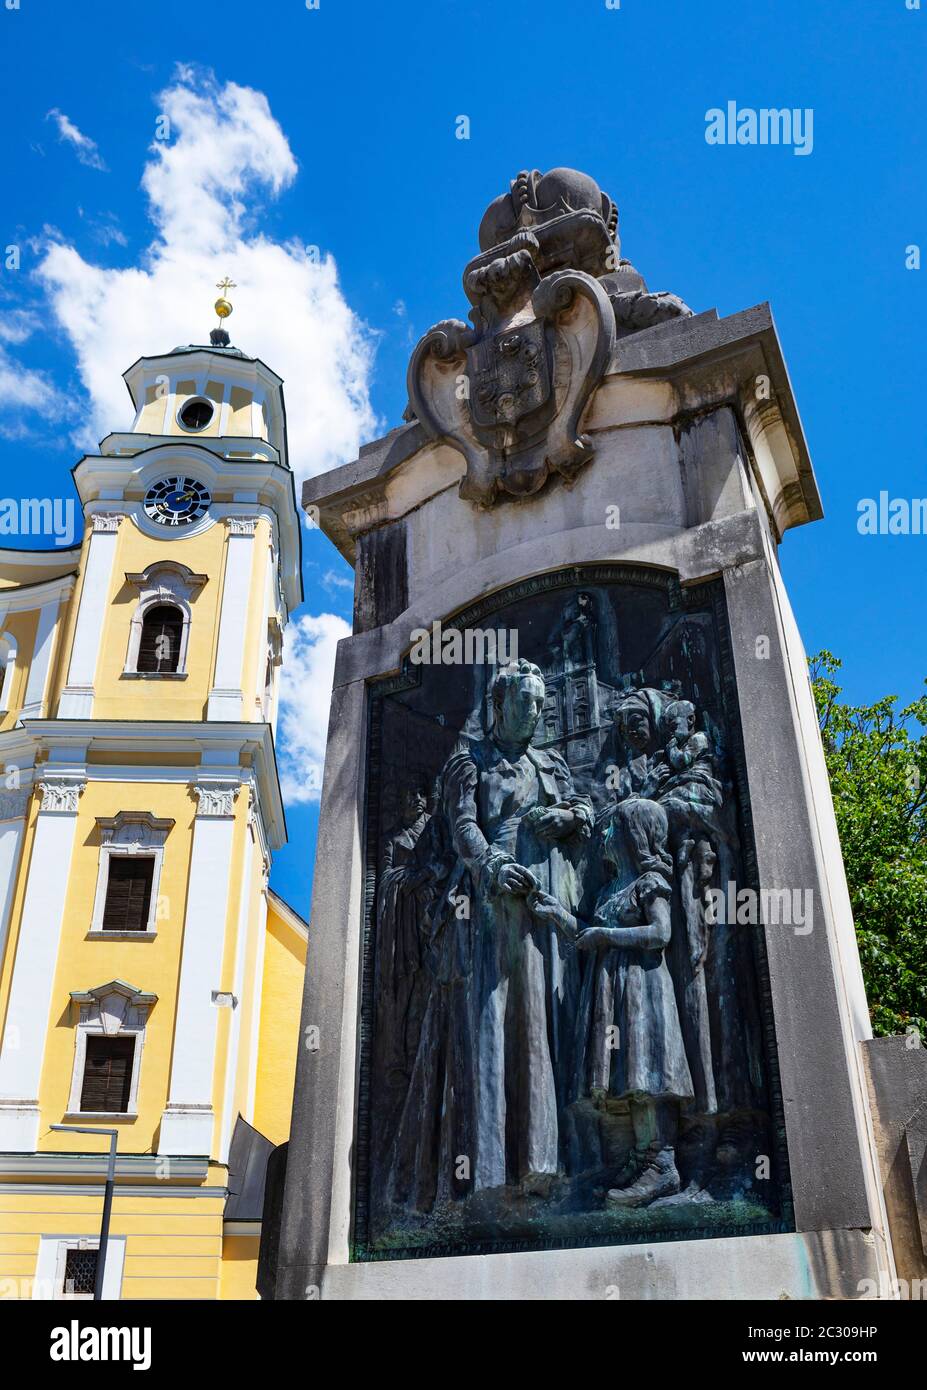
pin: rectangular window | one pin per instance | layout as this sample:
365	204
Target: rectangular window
80	1272
107	1075
128	893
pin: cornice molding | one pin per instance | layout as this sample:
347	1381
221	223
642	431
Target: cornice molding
227	746
27	597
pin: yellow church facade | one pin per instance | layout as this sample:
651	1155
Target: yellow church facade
149	978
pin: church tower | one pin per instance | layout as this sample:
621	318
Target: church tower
144	958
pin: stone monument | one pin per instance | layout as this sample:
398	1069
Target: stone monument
583	1006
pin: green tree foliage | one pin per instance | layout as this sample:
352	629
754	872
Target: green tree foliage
877	761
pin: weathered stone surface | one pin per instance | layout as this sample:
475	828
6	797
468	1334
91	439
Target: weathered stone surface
560	1043
897	1072
699	467
551	296
838	1264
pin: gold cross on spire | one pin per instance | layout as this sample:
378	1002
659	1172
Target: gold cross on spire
222	306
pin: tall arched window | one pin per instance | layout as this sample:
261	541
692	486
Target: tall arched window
159	647
159	633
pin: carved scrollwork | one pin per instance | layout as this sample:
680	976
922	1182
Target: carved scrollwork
509	396
550	294
14	804
216	798
60	793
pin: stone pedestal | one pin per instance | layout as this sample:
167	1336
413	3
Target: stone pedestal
632	550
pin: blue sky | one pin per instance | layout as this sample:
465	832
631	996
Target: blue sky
365	97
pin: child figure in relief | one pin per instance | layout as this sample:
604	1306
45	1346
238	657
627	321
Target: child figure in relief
633	1046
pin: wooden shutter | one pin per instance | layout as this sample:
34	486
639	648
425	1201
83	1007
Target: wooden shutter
128	893
159	646
107	1075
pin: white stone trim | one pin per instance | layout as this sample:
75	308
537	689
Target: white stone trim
224	747
216	796
188	1120
114	1010
48	1283
14	806
255	1043
271	697
226	697
39	666
23	1047
8	654
60	792
136	835
225	408
77	697
238	987
106	523
163	582
242	525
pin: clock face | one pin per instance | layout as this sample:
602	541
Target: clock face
176	501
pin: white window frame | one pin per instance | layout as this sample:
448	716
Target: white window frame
8	653
215	410
113	1010
48	1281
133	835
165	582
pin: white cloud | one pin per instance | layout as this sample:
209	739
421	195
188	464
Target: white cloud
204	184
22	388
16	325
86	149
305	695
332	580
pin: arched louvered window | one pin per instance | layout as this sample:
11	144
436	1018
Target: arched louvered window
159	647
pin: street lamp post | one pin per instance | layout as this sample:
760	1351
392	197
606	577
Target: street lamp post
107	1198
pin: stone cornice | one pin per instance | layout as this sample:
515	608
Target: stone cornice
135	1165
24	598
707	359
234	742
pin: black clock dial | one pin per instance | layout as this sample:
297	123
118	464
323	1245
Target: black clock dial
176	501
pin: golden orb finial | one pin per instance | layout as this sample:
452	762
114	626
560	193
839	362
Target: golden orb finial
222	306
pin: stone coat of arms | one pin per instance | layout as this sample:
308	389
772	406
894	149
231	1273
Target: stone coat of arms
550	297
